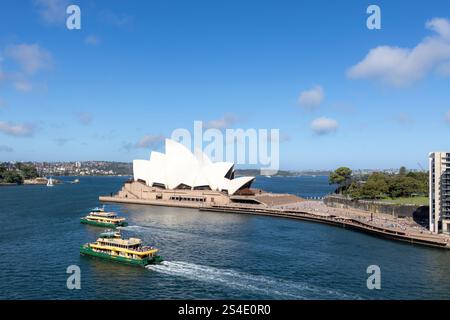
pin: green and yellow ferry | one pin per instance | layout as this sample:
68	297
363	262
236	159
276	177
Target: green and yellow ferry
98	217
111	246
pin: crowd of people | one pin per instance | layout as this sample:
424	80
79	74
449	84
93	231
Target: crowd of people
407	225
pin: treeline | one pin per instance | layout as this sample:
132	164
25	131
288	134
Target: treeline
17	173
379	185
281	173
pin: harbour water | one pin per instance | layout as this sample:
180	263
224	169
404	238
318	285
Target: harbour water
208	255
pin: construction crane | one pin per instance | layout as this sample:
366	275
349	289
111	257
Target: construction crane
418	163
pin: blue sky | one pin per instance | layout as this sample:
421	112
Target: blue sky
340	94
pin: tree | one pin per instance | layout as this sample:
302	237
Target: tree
342	177
422	179
29	171
408	185
354	190
379	185
402	186
376	186
2	171
402	171
13	177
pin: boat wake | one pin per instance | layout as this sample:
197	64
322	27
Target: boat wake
134	228
253	283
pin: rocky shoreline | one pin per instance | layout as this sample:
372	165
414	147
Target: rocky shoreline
36	181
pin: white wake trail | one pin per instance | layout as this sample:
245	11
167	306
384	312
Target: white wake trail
134	228
244	281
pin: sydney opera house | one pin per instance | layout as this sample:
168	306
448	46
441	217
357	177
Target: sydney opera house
181	178
179	168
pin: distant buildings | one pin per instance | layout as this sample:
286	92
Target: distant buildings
439	192
85	168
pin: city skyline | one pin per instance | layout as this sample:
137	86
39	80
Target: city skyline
340	94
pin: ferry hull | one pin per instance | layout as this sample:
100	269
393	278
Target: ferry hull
103	224
141	262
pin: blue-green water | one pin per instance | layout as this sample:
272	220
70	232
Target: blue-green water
209	255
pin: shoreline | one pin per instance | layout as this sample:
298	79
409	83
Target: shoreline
34	182
348	222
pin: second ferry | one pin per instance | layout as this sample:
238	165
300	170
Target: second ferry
99	217
111	246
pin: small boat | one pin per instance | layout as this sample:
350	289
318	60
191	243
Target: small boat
50	182
99	217
75	181
111	246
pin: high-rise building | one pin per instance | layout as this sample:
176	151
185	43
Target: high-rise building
439	192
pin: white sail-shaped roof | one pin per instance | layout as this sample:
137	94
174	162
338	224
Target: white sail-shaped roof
180	168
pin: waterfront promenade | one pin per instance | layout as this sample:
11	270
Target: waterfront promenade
381	225
376	219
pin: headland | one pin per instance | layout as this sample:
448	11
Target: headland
259	202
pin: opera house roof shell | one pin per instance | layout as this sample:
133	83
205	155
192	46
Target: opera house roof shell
179	168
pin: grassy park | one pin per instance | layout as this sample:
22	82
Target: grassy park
417	201
404	187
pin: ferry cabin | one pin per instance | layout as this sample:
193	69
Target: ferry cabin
106	217
128	248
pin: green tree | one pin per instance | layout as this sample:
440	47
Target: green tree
406	186
376	186
354	190
13	177
29	171
342	177
422	179
402	171
2	172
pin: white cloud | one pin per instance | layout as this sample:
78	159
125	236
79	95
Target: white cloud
323	126
440	26
444	69
52	11
92	40
447	117
30	57
84	118
227	121
312	98
150	141
17	130
402	66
